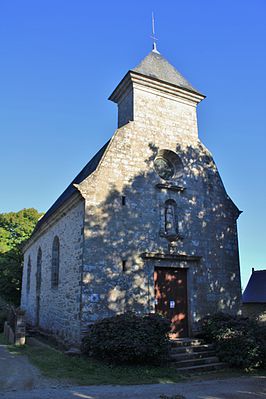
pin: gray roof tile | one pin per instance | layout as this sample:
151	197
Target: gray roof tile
156	66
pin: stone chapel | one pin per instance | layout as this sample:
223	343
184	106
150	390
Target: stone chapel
146	226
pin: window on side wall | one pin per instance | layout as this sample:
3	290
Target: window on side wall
28	274
39	271
55	263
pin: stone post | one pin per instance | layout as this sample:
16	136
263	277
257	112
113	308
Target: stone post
15	328
20	328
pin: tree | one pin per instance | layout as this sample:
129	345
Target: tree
15	229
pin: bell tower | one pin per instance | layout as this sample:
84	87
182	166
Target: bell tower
155	94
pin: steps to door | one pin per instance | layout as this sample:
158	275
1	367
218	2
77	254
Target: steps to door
193	355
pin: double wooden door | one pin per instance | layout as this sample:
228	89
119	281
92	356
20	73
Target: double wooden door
170	286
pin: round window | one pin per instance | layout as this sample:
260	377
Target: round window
168	165
164	168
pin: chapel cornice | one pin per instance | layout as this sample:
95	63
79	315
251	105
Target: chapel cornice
133	80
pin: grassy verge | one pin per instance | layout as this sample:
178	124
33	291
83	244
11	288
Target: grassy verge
86	371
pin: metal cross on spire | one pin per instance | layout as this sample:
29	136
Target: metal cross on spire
154	46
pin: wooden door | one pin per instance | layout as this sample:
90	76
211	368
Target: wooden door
171	298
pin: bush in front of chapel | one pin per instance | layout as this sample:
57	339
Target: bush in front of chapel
239	341
129	338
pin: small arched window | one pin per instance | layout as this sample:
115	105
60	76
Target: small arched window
28	274
55	263
39	271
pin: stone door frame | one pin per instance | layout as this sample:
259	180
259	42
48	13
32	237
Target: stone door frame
175	261
164	286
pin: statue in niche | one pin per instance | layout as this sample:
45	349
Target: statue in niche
170	225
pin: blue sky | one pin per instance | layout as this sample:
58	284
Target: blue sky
61	59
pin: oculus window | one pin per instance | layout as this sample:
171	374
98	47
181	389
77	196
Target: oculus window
168	165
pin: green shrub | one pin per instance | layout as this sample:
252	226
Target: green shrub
129	338
239	341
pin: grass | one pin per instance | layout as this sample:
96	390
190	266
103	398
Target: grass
87	371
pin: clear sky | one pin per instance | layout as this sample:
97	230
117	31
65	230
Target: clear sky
61	59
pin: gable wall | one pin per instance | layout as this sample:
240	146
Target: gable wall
59	307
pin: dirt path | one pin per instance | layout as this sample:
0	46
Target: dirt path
16	373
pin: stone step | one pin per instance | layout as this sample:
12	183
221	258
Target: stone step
185	342
190	349
196	362
202	368
176	357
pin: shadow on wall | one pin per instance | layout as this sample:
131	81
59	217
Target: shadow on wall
130	219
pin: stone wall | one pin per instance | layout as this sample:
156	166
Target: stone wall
115	275
125	109
59	307
165	113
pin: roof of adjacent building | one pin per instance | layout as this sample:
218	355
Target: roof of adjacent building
255	291
156	66
70	190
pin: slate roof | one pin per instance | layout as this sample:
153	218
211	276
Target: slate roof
256	288
70	190
156	66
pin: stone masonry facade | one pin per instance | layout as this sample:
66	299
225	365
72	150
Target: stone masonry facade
59	307
113	238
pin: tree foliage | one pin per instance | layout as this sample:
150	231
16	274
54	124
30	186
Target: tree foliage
15	229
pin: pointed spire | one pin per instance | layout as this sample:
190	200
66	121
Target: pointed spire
154	46
156	66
